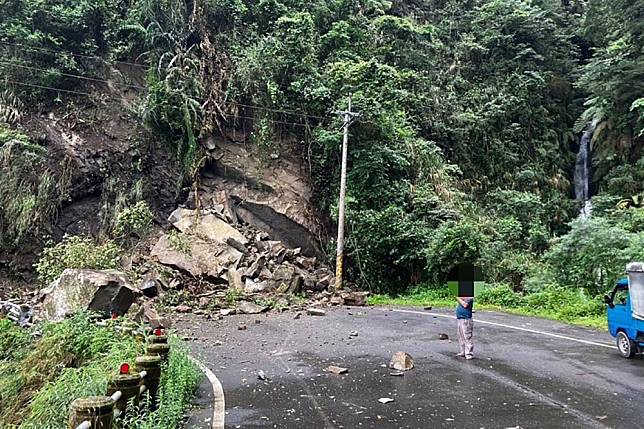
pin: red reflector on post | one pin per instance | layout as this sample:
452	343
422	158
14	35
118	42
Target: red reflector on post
158	332
125	368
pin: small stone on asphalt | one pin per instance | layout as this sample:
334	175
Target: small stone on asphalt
337	370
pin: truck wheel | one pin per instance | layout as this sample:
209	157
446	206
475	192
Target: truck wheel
625	346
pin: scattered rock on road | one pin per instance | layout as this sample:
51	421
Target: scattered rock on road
315	312
385	400
262	376
401	361
337	370
443	336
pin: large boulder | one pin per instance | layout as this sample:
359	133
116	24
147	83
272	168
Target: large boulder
357	299
105	292
207	226
199	259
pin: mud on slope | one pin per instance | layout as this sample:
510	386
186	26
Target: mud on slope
99	145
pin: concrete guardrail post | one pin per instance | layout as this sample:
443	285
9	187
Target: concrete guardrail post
157	339
152	366
128	384
98	411
160	349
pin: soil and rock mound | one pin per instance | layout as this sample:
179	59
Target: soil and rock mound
205	265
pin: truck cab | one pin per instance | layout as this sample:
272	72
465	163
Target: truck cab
626	311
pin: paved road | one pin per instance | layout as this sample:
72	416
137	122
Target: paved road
528	373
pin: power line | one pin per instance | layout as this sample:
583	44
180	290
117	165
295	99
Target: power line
32	85
95	57
288	111
291	112
273	121
75	76
93	79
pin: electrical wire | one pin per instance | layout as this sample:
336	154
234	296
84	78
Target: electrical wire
82	77
36	48
92	79
75	76
32	85
272	121
292	112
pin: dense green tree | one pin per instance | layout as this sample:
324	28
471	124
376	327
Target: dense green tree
470	112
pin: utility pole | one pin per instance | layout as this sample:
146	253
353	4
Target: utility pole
348	116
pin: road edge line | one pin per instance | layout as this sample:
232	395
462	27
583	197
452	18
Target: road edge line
518	328
219	400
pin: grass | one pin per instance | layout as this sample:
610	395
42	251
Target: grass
556	304
40	377
179	382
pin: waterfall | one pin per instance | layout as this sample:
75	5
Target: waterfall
583	170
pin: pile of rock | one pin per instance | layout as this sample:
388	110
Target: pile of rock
204	249
207	246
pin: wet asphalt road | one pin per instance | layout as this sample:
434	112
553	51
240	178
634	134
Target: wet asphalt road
518	379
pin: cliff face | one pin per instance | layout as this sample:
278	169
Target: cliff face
273	195
99	147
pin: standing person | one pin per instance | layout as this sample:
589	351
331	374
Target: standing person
465	327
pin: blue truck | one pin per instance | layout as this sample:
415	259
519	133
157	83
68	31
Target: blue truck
626	311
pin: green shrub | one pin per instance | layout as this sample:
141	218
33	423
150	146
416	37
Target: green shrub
77	358
97	354
46	43
501	295
566	303
631	219
76	252
526	207
8	134
133	220
453	243
551	301
30	192
593	255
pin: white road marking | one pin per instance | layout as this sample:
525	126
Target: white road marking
219	408
517	328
